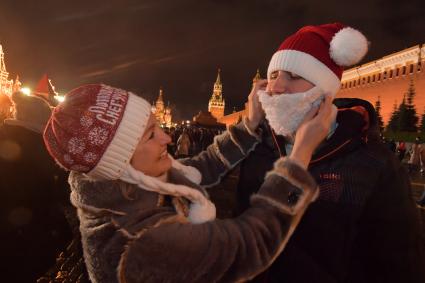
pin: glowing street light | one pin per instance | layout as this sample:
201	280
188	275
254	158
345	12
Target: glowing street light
60	98
26	91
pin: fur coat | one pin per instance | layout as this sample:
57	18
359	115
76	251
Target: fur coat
134	235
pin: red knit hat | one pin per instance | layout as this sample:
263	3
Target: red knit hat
96	130
319	53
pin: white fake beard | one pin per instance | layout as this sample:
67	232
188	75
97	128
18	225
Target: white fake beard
285	112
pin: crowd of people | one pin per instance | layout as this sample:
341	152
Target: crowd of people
320	198
190	140
413	156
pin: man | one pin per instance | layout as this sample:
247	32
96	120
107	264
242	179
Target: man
401	150
414	162
364	226
392	146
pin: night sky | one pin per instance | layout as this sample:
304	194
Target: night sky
142	45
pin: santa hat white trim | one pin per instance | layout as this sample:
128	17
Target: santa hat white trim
119	152
306	66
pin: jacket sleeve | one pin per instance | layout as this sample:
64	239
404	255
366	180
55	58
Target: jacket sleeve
227	150
230	250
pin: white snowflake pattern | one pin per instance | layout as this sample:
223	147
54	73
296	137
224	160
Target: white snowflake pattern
67	158
79	168
86	121
90	157
76	145
98	136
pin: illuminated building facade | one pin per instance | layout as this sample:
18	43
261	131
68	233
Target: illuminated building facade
163	114
6	85
388	78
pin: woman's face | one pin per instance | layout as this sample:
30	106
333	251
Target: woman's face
150	156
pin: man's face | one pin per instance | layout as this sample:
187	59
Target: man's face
286	82
286	101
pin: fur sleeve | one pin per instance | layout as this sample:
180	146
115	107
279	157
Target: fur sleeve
231	250
227	150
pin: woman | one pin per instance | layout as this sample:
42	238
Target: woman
183	144
147	218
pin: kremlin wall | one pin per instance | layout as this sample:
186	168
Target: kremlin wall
388	78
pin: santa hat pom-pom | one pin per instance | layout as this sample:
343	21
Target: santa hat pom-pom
348	47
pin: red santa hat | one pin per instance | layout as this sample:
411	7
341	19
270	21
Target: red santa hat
96	130
320	53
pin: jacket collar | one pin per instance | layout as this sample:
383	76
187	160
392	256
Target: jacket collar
350	133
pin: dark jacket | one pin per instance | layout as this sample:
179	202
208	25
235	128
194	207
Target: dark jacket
33	191
138	237
364	226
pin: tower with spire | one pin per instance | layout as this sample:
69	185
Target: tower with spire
257	77
167	115
159	106
216	103
6	85
162	113
46	90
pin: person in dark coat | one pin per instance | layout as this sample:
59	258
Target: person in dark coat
33	192
365	226
401	149
392	146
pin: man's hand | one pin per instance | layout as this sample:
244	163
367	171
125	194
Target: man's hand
255	111
313	131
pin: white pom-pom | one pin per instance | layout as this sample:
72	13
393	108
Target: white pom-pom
348	47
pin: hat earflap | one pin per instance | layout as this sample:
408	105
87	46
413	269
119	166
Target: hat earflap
201	208
348	47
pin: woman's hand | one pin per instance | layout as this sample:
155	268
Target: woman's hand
255	111
313	131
